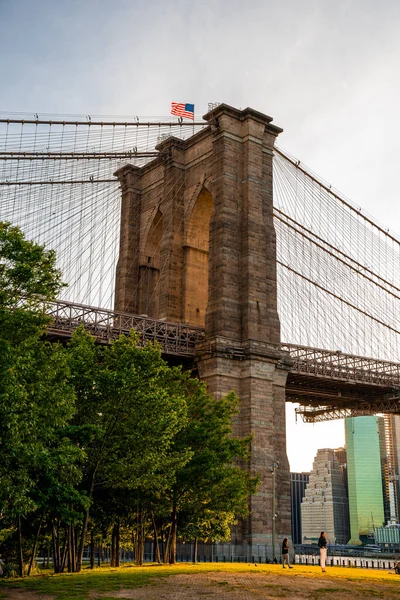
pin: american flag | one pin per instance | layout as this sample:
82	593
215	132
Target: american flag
182	110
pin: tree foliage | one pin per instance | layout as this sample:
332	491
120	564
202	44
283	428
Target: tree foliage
130	406
212	489
27	270
36	398
100	444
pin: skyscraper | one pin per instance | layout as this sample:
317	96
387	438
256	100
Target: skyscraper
365	445
392	440
325	504
298	483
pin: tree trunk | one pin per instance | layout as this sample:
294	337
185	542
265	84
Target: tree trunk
81	545
167	546
64	551
69	547
156	553
20	554
92	549
56	564
76	544
58	547
73	549
162	536
174	528
139	536
35	545
195	550
117	547
113	546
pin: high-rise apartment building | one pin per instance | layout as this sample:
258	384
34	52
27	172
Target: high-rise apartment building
392	470
298	483
366	473
325	503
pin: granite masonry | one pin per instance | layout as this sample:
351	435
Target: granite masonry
198	246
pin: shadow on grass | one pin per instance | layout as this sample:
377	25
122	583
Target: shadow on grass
318	593
77	586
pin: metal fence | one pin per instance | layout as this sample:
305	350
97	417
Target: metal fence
242	553
347	561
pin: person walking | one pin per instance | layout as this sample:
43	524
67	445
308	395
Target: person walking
285	553
323	548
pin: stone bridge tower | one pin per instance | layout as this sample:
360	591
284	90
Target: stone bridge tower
198	246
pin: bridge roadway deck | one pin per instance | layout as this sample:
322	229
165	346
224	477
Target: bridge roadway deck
323	382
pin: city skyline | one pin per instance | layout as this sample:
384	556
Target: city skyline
351	491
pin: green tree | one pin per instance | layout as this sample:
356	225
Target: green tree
28	278
130	405
113	424
213	488
36	398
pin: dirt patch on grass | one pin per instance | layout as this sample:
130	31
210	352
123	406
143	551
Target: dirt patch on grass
24	595
254	586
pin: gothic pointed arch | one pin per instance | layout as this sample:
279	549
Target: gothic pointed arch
150	268
196	253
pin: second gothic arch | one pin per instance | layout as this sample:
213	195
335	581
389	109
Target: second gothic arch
195	259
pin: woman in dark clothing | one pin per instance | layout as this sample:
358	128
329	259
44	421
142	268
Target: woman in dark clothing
285	553
323	548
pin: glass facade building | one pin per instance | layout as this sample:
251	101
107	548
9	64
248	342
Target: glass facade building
392	467
298	483
365	445
388	538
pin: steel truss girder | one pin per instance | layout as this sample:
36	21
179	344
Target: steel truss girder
311	414
337	365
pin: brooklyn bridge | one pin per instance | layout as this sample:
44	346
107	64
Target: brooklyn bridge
213	241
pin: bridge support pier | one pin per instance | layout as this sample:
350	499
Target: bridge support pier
259	378
241	351
202	250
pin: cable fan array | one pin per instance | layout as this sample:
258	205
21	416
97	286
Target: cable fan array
57	184
338	270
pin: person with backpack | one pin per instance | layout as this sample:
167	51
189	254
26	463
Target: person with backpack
285	553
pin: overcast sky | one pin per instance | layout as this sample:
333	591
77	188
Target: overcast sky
326	71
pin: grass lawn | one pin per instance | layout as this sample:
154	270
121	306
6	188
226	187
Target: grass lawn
217	579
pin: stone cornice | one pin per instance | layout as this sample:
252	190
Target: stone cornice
131	169
242	115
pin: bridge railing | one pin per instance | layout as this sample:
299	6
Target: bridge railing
333	364
180	340
107	325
